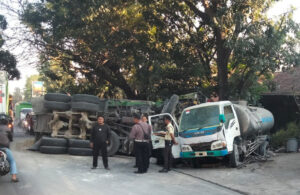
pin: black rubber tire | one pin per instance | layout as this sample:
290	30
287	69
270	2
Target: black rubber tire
170	107
60	106
114	144
263	149
103	105
50	141
86	98
57	97
84	106
53	150
80	151
234	158
77	143
36	146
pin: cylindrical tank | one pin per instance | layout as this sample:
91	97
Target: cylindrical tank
253	120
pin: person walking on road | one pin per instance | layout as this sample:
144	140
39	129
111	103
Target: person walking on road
4	146
169	140
99	140
141	132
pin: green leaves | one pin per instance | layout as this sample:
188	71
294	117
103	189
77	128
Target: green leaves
152	49
8	62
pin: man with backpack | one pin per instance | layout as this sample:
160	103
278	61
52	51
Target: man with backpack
141	134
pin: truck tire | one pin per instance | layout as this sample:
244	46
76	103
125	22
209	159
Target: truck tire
80	151
49	141
263	149
53	150
36	146
84	106
234	158
61	106
103	105
57	97
85	98
114	144
170	107
77	143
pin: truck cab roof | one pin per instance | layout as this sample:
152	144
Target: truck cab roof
209	104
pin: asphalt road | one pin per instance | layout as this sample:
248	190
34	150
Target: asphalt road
42	174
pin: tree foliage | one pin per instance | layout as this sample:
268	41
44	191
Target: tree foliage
152	49
233	41
28	86
8	62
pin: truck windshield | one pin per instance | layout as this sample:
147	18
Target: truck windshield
199	118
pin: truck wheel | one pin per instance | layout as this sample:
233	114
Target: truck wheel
80	151
85	98
61	106
49	141
114	144
235	157
84	106
263	149
57	97
35	146
77	143
53	150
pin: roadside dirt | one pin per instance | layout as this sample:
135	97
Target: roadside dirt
279	175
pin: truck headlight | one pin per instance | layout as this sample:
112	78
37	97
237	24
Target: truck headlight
218	144
186	148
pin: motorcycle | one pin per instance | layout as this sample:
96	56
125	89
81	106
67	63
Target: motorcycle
4	164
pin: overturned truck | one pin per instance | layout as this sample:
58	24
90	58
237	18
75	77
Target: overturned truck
62	116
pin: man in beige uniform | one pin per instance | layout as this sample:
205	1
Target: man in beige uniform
169	140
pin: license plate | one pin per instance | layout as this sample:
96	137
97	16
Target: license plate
200	154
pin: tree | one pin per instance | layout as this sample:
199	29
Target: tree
28	86
7	60
234	41
110	45
152	49
17	95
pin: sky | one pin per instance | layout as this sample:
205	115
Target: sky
27	67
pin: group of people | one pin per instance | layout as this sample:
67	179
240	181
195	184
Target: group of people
141	135
100	137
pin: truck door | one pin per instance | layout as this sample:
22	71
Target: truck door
158	125
231	126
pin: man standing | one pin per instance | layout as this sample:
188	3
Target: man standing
141	133
4	145
169	140
100	137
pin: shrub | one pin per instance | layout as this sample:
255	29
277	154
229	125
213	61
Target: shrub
279	139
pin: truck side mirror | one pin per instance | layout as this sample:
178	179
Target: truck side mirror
222	118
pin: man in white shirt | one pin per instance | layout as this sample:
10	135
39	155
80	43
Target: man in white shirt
169	140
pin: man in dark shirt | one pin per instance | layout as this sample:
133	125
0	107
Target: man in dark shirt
141	133
99	139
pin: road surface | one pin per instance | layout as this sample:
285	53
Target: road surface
42	174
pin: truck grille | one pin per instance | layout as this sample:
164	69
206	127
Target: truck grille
201	146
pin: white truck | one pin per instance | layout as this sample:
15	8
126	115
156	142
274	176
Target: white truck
4	96
217	129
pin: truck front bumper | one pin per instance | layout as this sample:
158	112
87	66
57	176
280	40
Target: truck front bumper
198	154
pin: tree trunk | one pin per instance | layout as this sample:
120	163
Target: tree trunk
223	55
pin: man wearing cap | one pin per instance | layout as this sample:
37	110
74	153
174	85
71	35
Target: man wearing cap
141	133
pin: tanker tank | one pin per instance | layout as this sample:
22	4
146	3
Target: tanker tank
253	120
